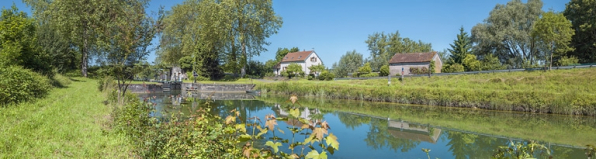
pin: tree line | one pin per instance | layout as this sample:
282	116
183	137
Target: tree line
515	35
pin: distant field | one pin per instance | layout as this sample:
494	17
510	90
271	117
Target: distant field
557	91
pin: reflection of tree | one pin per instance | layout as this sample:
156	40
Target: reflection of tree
461	144
379	137
352	120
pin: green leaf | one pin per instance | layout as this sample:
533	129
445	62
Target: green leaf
323	155
295	112
313	154
273	145
281	131
241	127
244	138
331	150
331	140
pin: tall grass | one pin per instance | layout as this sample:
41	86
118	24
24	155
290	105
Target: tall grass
71	122
557	91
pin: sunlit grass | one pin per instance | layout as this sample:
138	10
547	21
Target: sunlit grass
557	91
71	122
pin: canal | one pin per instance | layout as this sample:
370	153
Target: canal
388	130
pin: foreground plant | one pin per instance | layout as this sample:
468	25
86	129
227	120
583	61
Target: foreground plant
519	150
315	133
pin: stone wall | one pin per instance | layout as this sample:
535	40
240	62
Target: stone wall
144	88
218	87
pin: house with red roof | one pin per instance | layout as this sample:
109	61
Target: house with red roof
404	61
303	58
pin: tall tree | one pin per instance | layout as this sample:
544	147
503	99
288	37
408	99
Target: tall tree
130	31
253	21
79	21
348	63
461	47
582	15
506	32
555	32
18	42
383	46
213	30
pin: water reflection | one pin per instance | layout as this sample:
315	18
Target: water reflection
403	135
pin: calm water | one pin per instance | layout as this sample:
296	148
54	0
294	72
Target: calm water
384	130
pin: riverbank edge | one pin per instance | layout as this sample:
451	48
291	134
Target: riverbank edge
523	101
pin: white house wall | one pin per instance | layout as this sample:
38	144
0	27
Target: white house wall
304	64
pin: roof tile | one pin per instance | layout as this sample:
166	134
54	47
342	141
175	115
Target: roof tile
412	57
296	56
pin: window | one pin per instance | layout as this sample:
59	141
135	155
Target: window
299	57
313	59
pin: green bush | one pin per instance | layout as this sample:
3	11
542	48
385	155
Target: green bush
568	61
326	75
452	68
18	85
384	71
269	74
311	76
374	74
418	70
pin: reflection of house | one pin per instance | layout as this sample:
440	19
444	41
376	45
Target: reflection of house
303	58
305	114
403	62
415	132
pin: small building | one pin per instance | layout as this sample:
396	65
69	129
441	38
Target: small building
303	58
404	61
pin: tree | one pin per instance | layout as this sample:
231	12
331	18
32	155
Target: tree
364	69
490	62
384	71
79	20
461	47
383	46
554	31
131	31
506	33
18	42
348	63
294	69
316	69
583	20
471	63
211	31
282	52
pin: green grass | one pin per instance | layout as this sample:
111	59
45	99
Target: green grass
557	91
71	122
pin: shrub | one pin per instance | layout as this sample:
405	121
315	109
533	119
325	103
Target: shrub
366	69
453	68
326	75
18	85
418	70
284	73
384	71
568	61
311	76
373	74
269	74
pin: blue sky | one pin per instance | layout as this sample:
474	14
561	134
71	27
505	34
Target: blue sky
333	27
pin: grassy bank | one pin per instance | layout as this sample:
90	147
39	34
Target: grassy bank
71	122
557	91
559	129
